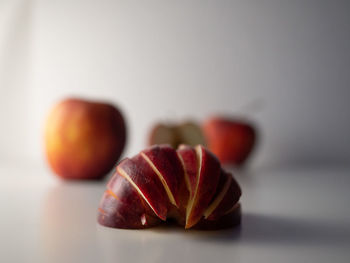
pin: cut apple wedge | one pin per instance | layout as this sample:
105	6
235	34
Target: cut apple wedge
223	186
121	189
166	164
189	161
225	201
146	182
123	200
115	213
206	182
226	221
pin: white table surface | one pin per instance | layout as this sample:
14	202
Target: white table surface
289	215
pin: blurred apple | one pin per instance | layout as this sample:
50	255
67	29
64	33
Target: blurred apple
84	139
188	133
231	140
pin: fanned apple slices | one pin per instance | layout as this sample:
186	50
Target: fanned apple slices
187	184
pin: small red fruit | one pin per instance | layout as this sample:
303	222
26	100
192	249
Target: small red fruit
231	140
84	139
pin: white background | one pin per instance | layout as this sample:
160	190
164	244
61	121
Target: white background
161	60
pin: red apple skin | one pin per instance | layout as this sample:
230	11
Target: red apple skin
84	139
128	219
232	196
121	189
167	162
140	172
189	159
230	140
132	211
226	221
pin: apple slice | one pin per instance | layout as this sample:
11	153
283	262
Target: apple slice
221	190
189	161
121	189
146	182
226	199
166	164
231	219
121	206
113	212
207	179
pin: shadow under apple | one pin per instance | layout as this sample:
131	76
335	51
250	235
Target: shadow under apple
260	229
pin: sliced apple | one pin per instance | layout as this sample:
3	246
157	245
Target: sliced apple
166	164
146	182
187	185
207	180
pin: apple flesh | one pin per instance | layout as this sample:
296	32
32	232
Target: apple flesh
84	139
163	134
188	133
231	140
